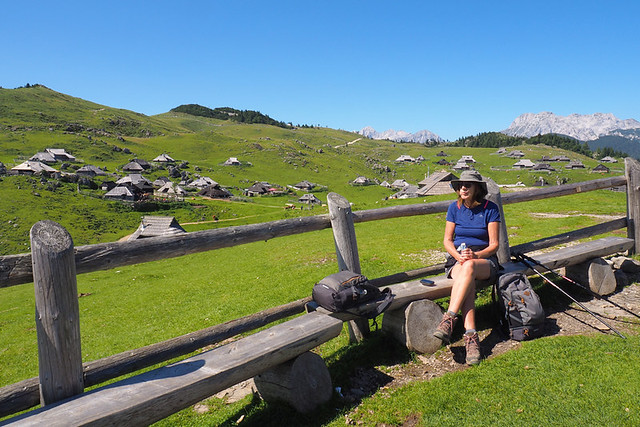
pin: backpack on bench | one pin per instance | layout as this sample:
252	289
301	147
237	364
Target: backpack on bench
520	312
346	291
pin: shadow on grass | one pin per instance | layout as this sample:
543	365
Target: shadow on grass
354	372
355	368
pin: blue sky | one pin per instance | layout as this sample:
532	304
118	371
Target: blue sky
456	68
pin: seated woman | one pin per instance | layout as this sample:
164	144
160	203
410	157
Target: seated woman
471	240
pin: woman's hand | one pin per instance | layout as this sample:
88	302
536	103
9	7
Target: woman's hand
467	254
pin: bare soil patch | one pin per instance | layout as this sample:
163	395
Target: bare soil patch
572	214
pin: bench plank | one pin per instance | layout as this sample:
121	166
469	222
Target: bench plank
153	395
414	290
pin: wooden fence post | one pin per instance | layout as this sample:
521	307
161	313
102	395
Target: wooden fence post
57	313
344	235
632	173
504	253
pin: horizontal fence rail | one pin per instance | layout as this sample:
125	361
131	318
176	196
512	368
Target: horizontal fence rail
17	269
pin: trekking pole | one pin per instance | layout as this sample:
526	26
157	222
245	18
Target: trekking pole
529	265
568	279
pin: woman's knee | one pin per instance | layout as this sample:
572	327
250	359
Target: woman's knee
470	268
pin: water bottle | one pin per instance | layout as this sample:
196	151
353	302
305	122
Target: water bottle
462	247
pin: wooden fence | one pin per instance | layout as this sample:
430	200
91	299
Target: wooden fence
54	262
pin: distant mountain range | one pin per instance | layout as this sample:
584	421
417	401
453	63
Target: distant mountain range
599	130
584	127
421	137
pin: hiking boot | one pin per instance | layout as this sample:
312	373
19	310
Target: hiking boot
445	328
472	345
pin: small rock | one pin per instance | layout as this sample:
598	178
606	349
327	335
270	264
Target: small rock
237	392
200	408
626	264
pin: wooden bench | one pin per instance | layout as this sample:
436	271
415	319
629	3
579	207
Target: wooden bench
156	394
577	254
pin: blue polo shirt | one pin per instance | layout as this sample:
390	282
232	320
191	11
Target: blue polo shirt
472	224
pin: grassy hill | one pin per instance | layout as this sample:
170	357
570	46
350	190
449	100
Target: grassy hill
35	118
40	108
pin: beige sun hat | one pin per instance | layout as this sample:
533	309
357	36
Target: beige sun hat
469	176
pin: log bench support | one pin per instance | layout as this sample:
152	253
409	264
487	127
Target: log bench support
596	274
414	324
303	382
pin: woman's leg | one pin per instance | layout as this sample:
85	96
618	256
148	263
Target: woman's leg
463	291
462	296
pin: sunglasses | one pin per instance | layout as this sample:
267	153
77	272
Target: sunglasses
466	184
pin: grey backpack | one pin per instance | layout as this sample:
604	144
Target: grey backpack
351	292
519	309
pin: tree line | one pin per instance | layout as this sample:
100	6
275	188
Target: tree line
497	140
228	113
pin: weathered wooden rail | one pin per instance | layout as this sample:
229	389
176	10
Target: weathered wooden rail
16	269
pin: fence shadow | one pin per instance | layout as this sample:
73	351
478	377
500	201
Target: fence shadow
355	375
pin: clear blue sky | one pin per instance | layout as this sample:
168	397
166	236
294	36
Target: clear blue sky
456	68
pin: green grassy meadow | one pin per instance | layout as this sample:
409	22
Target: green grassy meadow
130	307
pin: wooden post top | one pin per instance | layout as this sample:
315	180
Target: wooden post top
50	235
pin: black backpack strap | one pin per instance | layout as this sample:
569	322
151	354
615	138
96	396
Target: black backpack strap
386	301
383	301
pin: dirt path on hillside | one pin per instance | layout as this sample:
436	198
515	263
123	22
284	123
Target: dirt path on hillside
348	143
221	220
572	214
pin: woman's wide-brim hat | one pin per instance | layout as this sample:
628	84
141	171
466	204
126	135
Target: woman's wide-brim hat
469	176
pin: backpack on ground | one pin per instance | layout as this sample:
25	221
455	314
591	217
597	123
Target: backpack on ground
346	291
519	308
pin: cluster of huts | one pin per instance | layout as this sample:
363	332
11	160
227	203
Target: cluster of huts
435	184
202	186
134	186
544	164
440	182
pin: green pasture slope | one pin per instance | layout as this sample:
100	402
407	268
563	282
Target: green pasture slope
133	306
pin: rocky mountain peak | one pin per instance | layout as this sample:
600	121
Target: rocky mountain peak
585	127
421	137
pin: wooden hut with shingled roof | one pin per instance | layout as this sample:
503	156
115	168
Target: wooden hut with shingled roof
435	184
154	226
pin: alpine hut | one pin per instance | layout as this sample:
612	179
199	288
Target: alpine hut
31	167
215	192
601	169
121	193
436	184
232	161
90	170
154	226
164	158
310	199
